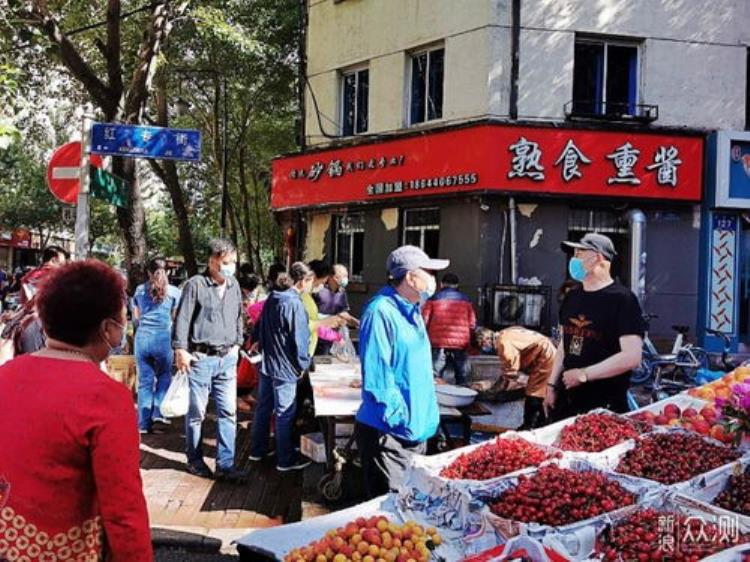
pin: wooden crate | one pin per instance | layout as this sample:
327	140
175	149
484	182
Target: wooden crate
122	369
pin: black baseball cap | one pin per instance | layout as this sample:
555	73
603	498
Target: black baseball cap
595	242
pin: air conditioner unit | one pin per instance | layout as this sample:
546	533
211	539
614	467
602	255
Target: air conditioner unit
518	305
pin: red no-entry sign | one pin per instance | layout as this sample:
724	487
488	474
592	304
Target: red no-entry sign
63	171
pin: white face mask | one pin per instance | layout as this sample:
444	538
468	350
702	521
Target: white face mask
426	293
317	289
227	270
343	282
110	347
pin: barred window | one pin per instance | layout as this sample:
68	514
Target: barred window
422	228
349	243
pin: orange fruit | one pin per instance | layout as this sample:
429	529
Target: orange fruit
723	392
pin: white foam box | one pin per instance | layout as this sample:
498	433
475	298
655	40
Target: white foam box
682	400
312	445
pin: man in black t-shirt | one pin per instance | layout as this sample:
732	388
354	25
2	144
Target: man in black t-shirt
602	331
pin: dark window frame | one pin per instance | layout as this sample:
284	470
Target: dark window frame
430	95
354	127
602	105
423	230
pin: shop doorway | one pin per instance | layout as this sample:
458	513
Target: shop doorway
610	223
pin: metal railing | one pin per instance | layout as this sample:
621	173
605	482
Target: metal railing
611	111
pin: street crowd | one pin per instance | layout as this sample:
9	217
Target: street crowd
70	486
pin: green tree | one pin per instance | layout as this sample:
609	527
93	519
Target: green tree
260	38
113	64
25	200
131	63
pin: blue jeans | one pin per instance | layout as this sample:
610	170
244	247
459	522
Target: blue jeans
455	359
279	396
217	375
153	357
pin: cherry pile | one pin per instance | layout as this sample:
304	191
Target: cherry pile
497	458
595	432
558	496
674	457
659	535
736	495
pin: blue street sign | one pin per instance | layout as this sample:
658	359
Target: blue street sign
136	141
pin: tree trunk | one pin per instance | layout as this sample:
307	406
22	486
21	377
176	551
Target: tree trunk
132	222
167	172
246	221
231	214
258	222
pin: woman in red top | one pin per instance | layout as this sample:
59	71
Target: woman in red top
68	433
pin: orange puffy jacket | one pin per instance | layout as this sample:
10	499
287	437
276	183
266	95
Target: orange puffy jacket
450	319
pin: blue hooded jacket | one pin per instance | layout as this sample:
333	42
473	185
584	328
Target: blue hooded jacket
398	392
284	335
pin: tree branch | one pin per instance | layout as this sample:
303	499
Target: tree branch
158	169
153	40
70	56
114	71
101	46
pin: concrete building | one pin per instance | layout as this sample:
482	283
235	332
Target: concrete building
487	131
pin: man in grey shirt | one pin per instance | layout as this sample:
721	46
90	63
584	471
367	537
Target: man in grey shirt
206	339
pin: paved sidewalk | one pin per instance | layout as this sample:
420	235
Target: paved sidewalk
179	499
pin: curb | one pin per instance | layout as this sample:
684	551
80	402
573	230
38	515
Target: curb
196	539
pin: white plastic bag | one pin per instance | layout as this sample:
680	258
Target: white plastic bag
177	399
344	350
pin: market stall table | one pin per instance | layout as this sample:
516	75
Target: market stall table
337	396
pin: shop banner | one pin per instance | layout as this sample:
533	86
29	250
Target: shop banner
499	158
731	183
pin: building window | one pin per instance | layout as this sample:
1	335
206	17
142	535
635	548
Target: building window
605	78
591	220
355	86
426	86
422	228
349	244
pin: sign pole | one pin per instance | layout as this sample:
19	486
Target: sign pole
82	208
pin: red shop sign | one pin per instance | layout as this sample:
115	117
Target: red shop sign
496	158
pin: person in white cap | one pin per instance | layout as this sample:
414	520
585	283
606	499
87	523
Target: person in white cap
602	331
399	410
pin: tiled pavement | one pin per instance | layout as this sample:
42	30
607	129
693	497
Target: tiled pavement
178	499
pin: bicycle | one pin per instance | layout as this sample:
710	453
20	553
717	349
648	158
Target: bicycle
673	372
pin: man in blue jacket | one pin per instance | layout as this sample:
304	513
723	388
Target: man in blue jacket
399	410
283	334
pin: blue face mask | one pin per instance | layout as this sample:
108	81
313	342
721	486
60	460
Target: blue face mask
576	269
